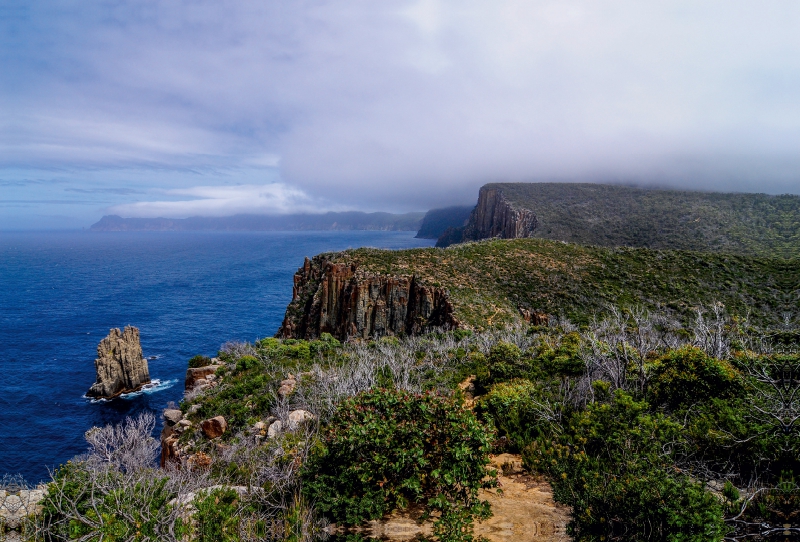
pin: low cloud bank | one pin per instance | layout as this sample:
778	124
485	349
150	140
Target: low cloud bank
270	199
403	104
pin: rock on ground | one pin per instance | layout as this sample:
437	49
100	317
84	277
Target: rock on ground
120	366
214	427
198	376
173	416
275	429
297	417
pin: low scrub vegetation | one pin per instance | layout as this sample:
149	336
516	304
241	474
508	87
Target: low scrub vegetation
647	428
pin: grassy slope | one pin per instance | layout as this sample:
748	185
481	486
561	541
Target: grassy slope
490	280
610	215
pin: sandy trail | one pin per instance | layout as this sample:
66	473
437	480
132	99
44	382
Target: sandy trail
524	511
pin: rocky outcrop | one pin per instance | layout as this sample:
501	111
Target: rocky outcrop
337	298
120	366
493	216
17	503
200	377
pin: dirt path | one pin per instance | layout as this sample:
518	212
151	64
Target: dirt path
523	512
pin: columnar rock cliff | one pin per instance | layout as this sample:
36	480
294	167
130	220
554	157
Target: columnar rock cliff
493	216
338	299
120	365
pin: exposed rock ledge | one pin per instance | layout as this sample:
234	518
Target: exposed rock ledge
120	366
17	504
493	216
337	298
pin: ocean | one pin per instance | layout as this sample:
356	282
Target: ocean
187	292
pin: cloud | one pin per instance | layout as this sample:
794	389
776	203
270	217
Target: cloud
121	191
404	104
273	199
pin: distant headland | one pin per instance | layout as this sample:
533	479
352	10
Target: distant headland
350	220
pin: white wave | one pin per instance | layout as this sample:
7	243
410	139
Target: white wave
154	386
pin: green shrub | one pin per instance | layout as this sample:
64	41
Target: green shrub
199	361
504	362
563	358
217	516
614	467
688	375
520	410
324	345
246	363
387	449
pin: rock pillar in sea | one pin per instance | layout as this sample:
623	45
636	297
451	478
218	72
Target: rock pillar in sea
120	366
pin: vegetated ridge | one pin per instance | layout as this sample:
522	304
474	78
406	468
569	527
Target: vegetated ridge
350	220
611	215
370	293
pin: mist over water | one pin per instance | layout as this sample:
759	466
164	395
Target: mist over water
187	292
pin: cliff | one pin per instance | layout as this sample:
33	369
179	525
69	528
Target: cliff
337	298
120	366
496	216
614	215
369	292
493	216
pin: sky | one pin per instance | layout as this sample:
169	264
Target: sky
192	107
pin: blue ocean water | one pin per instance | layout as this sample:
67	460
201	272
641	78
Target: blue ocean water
187	292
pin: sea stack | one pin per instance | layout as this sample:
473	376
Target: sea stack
120	366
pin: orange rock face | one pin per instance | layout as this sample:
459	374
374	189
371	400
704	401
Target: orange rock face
337	299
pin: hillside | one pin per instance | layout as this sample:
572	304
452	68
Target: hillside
611	215
351	220
633	425
368	292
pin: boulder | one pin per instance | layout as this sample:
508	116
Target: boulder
214	427
198	375
259	428
275	429
181	426
119	365
172	416
297	417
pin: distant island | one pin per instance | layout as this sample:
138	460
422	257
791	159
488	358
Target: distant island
350	220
